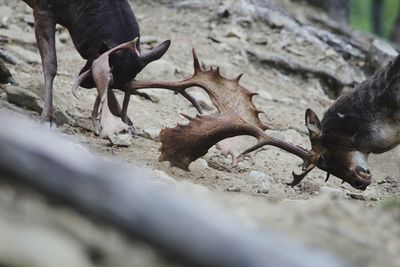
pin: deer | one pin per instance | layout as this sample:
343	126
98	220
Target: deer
97	29
362	121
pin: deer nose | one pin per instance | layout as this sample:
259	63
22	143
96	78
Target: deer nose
366	174
362	178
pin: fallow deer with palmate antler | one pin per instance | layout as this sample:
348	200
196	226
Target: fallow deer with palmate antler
365	120
237	116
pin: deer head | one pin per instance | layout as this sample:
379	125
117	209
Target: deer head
364	120
337	154
132	61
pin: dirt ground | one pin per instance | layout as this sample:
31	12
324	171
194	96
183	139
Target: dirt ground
347	222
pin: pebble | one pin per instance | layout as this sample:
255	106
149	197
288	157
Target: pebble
333	192
121	140
150	133
357	196
235	189
201	164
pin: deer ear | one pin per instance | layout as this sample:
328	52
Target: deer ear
156	53
313	125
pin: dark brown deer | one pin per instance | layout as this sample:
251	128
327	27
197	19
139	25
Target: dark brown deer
95	26
365	120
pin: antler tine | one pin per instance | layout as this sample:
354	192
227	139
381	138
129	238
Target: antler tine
79	80
196	62
179	86
297	178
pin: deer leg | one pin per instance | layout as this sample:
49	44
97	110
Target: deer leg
116	110
45	24
95	114
110	124
125	104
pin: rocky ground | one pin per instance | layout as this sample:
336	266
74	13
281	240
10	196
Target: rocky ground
292	55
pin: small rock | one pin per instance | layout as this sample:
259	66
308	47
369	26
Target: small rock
260	40
122	140
333	192
190	4
24	98
331	53
234	33
234	189
200	164
380	54
150	133
263	182
357	196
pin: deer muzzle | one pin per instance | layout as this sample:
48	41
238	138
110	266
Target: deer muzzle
361	178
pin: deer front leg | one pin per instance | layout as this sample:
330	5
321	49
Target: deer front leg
95	115
45	24
115	109
125	104
110	124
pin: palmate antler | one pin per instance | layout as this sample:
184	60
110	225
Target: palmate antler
237	116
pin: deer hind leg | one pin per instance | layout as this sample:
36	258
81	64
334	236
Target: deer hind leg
45	24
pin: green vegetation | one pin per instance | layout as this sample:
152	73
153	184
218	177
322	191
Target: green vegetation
361	15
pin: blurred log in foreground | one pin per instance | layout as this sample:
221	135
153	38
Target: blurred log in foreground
190	230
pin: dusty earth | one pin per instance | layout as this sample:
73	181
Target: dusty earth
362	227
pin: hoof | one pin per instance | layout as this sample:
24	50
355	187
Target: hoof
48	123
133	131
